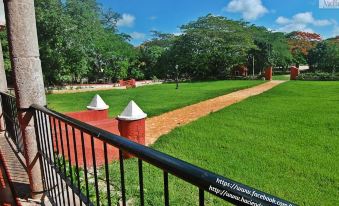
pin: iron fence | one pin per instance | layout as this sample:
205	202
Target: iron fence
12	125
69	152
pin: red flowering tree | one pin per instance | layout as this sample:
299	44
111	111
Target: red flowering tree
300	43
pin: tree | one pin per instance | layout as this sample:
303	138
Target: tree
150	53
271	49
301	43
5	51
208	48
325	56
77	39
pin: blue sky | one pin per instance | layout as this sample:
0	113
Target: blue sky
141	16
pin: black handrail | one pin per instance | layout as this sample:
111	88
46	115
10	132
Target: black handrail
224	188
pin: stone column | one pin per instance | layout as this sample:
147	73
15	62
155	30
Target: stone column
28	79
3	86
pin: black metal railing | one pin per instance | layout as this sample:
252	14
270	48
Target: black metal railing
69	158
12	125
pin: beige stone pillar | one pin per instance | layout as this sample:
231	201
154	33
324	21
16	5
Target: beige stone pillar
3	86
28	79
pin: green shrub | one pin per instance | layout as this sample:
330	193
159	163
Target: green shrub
318	76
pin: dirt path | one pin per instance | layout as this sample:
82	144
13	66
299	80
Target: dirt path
163	124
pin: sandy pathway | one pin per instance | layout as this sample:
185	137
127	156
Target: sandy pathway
163	124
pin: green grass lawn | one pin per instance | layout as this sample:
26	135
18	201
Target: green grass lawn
281	77
153	100
284	142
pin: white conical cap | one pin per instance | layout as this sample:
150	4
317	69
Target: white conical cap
132	112
97	103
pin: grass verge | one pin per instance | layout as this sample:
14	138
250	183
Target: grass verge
154	100
284	142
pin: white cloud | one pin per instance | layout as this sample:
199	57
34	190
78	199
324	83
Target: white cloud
138	35
127	20
303	18
177	33
152	18
335	28
250	9
300	22
282	20
295	27
336	31
323	22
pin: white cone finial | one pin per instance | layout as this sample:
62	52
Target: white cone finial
132	112
97	103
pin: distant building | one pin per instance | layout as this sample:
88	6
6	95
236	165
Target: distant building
240	70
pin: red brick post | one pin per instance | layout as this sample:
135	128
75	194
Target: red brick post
268	73
131	124
133	130
294	73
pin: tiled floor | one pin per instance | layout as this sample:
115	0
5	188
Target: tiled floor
16	167
6	196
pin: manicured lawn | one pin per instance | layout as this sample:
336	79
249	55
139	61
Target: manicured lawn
284	142
281	77
153	100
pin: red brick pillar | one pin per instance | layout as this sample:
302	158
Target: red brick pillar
133	130
294	73
131	124
268	73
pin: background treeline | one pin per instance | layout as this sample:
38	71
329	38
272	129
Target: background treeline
79	40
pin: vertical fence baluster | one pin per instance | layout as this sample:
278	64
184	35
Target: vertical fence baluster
39	144
95	172
70	161
166	188
122	177
15	122
48	153
141	183
85	166
201	197
43	153
109	202
54	173
76	163
64	160
57	164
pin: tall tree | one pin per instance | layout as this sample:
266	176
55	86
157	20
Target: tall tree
325	56
271	49
209	47
150	53
301	43
77	40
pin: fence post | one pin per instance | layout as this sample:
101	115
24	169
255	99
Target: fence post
3	87
294	73
28	80
268	73
131	123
